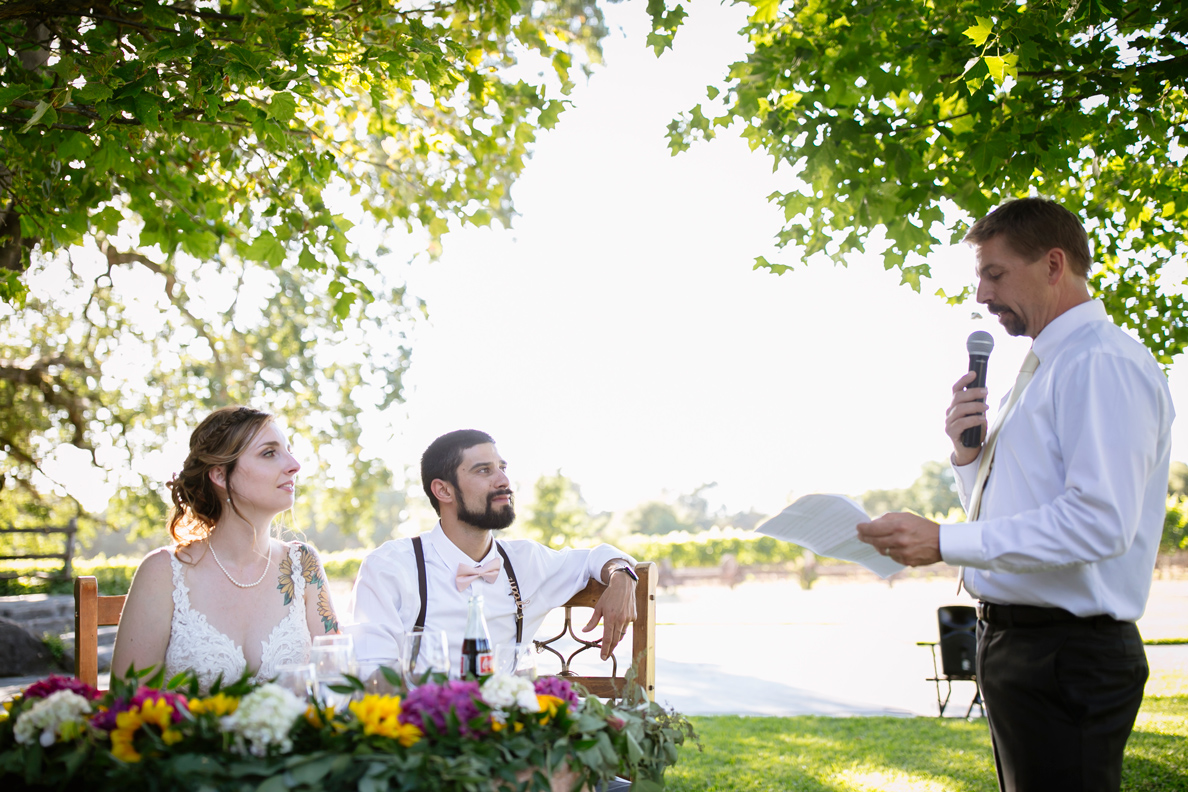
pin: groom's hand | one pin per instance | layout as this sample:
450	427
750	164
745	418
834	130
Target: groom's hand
908	539
616	609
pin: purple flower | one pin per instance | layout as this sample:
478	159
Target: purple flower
53	684
559	687
432	702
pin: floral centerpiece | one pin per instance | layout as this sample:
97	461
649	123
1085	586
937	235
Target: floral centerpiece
507	733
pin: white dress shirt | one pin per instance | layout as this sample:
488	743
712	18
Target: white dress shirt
385	600
1073	510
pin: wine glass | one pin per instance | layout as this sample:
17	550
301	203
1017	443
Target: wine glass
424	652
332	662
297	677
516	659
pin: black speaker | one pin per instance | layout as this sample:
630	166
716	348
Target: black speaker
958	640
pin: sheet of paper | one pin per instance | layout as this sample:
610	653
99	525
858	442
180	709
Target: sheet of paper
828	525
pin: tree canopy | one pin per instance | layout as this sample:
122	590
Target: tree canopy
174	180
917	116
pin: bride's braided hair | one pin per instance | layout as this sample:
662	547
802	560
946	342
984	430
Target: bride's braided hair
219	441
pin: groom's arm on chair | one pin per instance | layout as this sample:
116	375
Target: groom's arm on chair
143	635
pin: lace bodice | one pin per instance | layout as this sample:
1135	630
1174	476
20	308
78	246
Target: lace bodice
194	643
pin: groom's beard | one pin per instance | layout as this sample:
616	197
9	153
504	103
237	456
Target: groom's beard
491	519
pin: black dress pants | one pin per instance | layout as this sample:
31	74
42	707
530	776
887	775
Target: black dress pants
1061	698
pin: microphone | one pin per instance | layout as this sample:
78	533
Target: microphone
979	345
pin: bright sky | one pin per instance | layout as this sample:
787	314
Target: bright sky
619	334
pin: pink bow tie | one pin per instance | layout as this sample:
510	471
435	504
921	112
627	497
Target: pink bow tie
467	574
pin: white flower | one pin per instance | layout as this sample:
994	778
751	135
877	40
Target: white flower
501	691
49	715
263	719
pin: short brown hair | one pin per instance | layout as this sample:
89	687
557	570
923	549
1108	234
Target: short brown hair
1033	226
219	441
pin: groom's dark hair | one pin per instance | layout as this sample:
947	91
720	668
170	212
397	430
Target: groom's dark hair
443	456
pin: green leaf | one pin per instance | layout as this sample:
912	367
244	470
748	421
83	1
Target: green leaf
765	11
980	32
11	93
43	108
282	107
266	248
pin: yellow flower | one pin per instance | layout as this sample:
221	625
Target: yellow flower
171	736
380	715
121	745
314	719
217	705
127	722
549	705
129	719
158	713
498	726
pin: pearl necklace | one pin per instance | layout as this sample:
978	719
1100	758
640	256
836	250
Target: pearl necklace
228	574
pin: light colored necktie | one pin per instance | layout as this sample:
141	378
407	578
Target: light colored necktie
1030	364
468	574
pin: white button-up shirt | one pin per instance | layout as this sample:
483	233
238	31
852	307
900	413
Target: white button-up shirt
385	600
1074	507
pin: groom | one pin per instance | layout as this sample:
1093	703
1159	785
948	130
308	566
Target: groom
426	581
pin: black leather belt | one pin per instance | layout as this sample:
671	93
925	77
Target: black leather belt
1035	616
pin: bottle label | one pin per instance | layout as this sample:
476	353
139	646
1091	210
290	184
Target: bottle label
486	664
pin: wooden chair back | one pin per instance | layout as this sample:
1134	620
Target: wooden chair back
643	639
90	613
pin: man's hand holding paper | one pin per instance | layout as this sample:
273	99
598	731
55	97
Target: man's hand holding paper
907	539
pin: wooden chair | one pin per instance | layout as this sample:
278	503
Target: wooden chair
643	639
90	612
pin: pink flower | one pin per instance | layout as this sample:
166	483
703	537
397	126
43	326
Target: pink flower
53	684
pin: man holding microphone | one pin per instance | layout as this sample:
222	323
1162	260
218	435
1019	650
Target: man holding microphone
1066	501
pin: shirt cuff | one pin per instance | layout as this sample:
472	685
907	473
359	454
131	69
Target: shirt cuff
961	544
965	476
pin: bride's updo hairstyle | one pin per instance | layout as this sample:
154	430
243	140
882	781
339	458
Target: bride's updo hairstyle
219	441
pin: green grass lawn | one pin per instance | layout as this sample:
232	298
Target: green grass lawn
918	754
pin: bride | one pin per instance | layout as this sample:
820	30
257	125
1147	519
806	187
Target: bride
226	596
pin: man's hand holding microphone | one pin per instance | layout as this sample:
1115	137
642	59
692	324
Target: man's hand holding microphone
909	538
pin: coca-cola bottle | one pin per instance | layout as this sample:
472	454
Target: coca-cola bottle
478	661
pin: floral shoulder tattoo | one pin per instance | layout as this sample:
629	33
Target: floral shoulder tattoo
312	572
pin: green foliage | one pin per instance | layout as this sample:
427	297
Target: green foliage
113	575
707	549
559	514
1175	525
221	128
1177	479
172	236
852	754
691	512
932	495
893	113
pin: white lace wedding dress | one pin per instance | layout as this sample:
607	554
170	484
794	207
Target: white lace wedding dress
194	643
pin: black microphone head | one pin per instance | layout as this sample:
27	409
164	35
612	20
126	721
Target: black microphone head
979	343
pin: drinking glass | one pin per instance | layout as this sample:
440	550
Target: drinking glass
297	677
347	642
332	662
424	652
516	659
